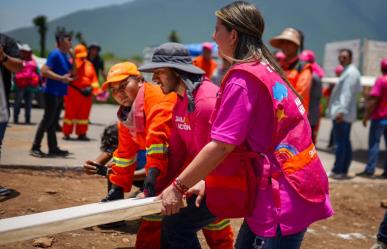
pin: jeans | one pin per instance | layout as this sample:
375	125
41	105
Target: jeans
377	130
3	126
382	233
341	133
179	230
27	96
53	105
247	239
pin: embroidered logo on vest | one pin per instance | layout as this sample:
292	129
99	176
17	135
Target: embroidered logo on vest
182	123
300	107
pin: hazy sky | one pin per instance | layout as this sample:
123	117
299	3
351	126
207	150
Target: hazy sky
19	13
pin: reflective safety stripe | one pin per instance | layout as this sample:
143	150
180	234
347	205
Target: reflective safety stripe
76	121
94	85
156	149
82	121
69	121
218	226
123	162
154	217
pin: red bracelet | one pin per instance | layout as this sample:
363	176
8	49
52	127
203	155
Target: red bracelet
179	186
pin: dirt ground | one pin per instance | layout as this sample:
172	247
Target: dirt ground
357	207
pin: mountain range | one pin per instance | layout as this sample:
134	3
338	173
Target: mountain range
127	28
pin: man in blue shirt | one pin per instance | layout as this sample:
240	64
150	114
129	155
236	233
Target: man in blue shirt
59	72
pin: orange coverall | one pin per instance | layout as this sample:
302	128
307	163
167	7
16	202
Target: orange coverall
157	109
208	66
300	78
77	106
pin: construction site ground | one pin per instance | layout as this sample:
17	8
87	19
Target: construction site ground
53	183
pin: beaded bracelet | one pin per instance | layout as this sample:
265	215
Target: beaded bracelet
179	186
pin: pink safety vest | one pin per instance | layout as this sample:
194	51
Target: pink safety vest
28	76
292	150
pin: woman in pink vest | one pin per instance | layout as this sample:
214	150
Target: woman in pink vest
26	84
256	109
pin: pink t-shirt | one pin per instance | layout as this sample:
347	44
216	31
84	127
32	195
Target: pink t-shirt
191	131
380	90
246	113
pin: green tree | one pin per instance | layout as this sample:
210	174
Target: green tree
41	23
174	37
79	37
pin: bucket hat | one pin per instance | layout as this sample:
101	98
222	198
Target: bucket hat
172	55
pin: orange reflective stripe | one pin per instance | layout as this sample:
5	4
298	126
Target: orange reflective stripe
234	182
301	160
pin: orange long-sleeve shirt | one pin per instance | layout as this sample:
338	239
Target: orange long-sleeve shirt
208	66
157	109
301	79
86	76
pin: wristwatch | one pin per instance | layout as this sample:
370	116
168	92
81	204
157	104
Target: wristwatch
4	59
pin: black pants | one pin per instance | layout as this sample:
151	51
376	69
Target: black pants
179	230
382	234
52	107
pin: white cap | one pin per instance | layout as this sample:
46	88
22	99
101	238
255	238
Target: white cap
25	47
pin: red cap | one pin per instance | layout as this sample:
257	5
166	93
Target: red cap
207	45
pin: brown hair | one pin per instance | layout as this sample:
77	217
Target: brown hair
246	19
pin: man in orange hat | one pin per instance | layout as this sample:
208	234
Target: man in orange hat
145	118
205	60
79	98
144	122
299	74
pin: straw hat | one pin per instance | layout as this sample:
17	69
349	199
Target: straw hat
288	34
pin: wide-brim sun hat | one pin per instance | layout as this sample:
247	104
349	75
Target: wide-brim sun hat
288	34
171	55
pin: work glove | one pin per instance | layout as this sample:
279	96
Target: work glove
86	91
150	182
115	193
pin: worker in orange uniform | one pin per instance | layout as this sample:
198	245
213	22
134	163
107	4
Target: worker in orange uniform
79	98
205	60
299	73
145	116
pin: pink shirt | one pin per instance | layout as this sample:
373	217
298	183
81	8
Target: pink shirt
246	112
191	131
380	90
